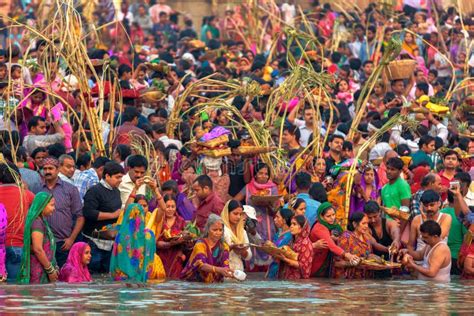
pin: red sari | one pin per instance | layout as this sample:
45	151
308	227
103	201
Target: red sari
467	250
172	257
303	246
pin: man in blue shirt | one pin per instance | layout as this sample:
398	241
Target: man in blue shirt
303	184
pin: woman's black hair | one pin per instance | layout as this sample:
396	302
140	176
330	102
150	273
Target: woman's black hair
300	219
259	166
169	197
357	217
124	151
296	203
140	197
233	204
287	215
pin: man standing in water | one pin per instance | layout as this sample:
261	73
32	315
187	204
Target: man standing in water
436	256
431	204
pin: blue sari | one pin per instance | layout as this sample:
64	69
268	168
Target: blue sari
279	241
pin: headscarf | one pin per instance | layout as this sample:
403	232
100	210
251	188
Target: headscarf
236	238
418	174
74	271
51	161
40	201
324	206
134	247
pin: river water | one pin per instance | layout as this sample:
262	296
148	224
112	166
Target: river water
253	297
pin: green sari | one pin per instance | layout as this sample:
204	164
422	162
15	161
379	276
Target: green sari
40	201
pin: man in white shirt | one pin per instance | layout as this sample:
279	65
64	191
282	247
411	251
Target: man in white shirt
159	133
67	168
305	125
138	166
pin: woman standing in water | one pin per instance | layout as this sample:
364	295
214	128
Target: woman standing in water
282	238
301	244
134	247
261	185
356	241
170	251
326	229
75	269
38	264
235	235
209	261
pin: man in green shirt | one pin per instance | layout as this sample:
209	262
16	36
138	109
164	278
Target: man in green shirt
426	146
397	192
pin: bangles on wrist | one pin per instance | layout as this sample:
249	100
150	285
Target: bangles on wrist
51	269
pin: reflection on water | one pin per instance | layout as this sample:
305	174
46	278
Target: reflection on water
321	296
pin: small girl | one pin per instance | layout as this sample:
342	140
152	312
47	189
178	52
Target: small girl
343	92
17	81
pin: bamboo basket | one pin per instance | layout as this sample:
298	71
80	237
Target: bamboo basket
400	69
393	212
216	153
252	150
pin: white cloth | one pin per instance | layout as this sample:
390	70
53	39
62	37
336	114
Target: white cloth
126	187
235	261
168	141
443	275
304	131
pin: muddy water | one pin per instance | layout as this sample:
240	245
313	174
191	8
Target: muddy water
314	296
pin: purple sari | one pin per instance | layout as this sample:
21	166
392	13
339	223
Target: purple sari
358	203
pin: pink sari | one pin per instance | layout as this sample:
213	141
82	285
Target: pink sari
74	271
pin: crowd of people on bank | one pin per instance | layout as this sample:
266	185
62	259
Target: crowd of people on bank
69	211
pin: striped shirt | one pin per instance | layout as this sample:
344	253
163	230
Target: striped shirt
85	180
68	208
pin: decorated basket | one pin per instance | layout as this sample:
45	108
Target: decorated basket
400	69
274	251
216	142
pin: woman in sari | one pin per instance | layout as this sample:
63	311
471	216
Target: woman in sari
301	244
3	254
134	247
38	264
261	185
282	238
409	45
366	188
209	261
328	230
170	250
235	235
75	269
355	240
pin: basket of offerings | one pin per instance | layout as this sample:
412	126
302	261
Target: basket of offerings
158	66
285	251
214	143
185	235
374	262
264	197
395	213
153	95
400	69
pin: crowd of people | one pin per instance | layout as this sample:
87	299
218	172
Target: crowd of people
70	210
